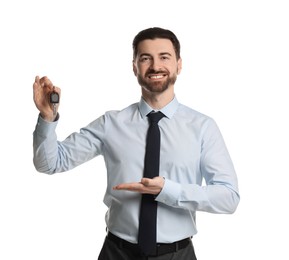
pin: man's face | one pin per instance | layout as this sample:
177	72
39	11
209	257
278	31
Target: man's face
156	66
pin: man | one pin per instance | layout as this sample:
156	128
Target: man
191	149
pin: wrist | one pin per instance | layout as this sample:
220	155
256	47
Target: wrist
50	118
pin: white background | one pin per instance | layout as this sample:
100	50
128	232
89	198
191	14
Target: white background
235	69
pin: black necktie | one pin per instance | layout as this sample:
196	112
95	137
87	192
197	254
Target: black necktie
148	212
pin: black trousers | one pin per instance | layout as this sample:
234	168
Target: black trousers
112	251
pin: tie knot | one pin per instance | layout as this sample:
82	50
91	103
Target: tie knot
155	117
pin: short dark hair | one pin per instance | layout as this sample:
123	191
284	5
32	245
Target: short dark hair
154	33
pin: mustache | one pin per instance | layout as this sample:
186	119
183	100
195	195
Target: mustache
152	71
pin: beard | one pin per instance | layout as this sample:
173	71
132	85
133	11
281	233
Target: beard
156	86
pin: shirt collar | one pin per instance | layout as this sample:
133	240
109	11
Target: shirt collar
169	110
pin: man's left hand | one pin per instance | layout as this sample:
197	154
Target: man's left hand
145	186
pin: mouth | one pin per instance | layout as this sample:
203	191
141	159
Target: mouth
157	76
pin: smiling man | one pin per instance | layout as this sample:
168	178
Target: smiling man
157	154
156	66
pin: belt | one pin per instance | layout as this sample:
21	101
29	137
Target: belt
161	248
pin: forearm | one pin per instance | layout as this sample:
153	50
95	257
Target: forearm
45	147
217	198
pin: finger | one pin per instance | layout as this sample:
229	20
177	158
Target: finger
36	83
36	87
134	186
41	81
57	90
46	82
37	80
122	186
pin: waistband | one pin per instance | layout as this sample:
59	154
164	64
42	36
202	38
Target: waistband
161	248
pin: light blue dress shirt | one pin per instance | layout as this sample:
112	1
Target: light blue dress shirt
192	150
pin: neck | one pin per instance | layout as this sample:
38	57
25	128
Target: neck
158	100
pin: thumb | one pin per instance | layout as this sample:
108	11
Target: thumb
145	181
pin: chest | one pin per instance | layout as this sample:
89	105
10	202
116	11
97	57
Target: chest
179	153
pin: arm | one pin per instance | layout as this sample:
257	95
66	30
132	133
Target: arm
220	195
50	155
44	137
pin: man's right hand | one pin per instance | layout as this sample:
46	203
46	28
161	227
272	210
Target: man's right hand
42	89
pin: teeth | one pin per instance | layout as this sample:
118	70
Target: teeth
156	77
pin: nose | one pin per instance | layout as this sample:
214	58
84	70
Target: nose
155	65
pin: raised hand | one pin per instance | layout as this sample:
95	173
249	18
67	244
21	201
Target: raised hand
42	88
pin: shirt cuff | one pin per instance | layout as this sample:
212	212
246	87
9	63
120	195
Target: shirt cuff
170	193
44	127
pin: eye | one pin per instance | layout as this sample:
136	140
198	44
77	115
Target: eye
145	59
165	58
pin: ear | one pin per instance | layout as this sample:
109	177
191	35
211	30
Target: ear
134	68
180	65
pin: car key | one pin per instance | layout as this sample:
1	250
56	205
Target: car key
54	100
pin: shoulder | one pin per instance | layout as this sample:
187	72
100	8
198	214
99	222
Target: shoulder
195	119
128	113
191	114
123	112
113	119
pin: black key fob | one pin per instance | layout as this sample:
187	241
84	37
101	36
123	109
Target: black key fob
54	98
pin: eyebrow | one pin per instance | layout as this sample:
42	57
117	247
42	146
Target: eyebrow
161	54
165	53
